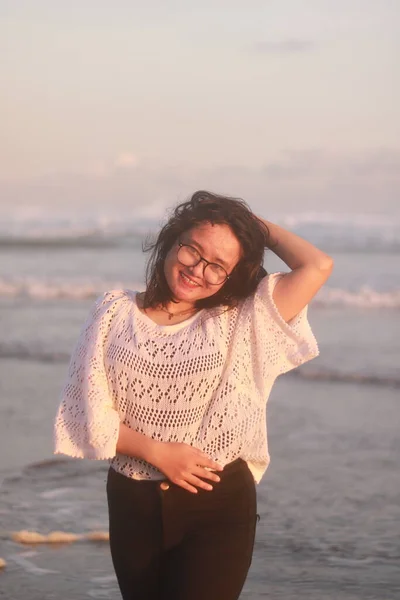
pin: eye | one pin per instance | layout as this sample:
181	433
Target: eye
217	269
192	250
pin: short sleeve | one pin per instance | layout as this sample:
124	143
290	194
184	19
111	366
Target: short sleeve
286	345
87	422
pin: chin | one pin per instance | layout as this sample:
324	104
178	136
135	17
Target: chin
183	293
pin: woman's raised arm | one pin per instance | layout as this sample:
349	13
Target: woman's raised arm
310	269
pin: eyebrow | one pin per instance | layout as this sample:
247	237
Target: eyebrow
217	259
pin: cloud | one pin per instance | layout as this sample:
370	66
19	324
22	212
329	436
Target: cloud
289	46
368	166
295	181
103	169
126	160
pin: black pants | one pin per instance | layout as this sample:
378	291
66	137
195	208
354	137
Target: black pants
174	545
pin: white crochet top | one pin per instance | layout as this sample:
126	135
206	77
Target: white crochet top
204	381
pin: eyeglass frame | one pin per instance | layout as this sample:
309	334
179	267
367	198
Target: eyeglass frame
202	259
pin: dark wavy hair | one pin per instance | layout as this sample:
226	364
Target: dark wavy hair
204	206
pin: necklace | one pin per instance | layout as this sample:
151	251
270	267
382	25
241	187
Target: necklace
171	314
177	314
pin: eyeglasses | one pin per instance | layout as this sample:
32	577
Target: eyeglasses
189	257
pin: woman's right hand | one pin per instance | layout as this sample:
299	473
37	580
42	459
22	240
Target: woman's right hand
184	465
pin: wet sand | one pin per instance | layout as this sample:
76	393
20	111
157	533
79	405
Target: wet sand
84	570
329	505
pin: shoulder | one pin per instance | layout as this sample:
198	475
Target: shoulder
264	291
268	283
116	296
261	301
293	340
113	301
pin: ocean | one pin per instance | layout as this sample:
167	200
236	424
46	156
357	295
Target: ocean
330	500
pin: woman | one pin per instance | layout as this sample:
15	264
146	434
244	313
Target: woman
171	385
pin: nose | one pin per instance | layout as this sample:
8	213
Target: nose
198	270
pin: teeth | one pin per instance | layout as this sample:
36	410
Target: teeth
189	281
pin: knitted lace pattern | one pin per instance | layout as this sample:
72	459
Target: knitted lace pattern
204	381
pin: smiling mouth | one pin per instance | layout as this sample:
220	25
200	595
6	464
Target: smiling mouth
188	281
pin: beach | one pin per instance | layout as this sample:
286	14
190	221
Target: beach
330	499
121	121
329	506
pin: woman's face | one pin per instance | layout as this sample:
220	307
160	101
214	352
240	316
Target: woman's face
217	244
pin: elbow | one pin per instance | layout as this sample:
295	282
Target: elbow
327	265
325	268
322	268
323	264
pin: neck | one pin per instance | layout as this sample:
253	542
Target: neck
173	309
176	309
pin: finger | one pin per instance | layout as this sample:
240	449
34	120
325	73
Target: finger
205	474
214	465
192	479
186	486
206	461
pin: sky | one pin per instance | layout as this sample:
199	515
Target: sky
289	104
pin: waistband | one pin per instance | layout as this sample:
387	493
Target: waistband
229	468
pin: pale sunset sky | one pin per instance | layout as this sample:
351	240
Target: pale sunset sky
290	104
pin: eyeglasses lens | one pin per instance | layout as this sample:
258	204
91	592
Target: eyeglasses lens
213	274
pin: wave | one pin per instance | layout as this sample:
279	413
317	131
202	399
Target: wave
39	289
351	233
330	243
96	240
363	298
36	354
74	290
323	374
72	233
359	233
